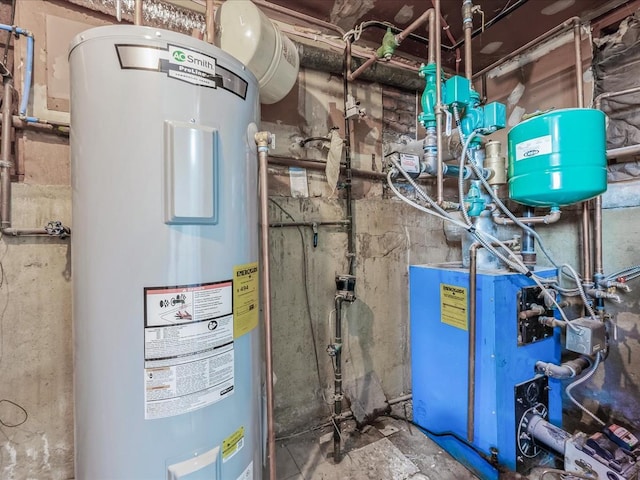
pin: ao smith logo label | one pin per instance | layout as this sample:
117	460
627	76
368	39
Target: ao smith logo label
179	56
197	61
183	64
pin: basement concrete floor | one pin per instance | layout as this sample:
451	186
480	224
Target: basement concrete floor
387	450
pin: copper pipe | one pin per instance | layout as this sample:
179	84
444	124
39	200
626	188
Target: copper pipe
263	139
441	22
602	96
554	31
432	34
552	217
320	165
439	113
467	18
5	155
577	43
137	14
623	151
597	214
25	232
209	21
414	26
598	264
370	61
45	127
427	15
586	242
471	378
586	214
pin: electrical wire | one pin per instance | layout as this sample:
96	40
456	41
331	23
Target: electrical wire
515	264
580	381
581	291
307	297
21	408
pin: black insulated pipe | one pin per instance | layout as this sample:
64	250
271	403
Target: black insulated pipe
337	383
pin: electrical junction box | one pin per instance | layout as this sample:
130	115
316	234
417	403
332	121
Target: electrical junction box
588	336
439	305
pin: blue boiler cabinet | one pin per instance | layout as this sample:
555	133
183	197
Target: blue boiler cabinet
506	384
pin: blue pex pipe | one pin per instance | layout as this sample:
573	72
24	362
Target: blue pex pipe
26	86
28	74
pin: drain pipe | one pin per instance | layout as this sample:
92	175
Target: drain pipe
345	292
336	350
263	140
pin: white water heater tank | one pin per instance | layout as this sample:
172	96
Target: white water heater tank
247	34
165	250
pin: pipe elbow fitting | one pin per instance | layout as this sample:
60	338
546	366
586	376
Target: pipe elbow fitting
552	217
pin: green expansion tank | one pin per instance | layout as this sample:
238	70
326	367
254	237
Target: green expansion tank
558	158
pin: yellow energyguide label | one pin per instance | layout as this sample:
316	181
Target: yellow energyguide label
245	298
453	306
232	444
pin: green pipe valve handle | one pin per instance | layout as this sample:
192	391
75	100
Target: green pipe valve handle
389	45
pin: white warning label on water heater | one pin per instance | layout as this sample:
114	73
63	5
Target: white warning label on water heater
534	147
188	347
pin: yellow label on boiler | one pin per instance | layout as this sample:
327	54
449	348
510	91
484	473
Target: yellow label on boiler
245	298
453	306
